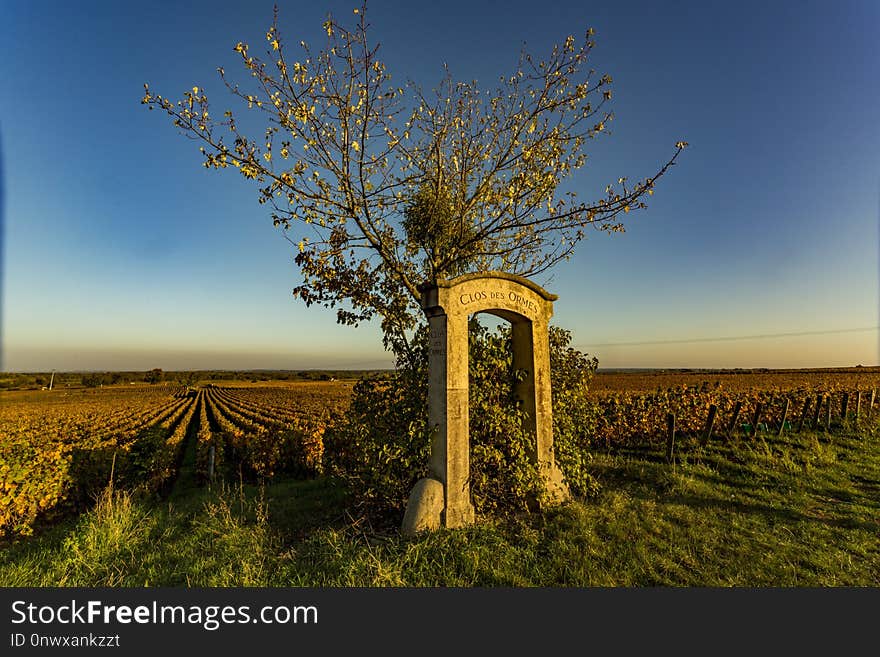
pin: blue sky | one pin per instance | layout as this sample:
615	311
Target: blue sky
120	251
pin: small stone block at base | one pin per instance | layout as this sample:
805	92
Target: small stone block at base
424	507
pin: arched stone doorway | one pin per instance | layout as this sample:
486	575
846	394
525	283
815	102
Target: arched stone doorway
444	498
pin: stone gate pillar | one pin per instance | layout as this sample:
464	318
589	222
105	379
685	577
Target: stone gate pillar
444	497
448	414
531	357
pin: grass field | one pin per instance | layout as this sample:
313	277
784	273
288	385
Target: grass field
798	510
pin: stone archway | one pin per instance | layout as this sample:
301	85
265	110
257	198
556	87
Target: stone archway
444	497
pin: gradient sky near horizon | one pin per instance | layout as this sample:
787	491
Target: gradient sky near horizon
120	251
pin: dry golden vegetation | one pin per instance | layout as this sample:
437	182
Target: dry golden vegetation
742	380
59	448
632	408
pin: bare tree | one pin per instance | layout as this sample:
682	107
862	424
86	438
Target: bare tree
391	187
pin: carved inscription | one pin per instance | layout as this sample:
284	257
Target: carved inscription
522	301
518	300
437	340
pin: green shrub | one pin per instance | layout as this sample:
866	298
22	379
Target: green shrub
575	415
381	445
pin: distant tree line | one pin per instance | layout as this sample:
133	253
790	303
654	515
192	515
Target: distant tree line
95	379
41	380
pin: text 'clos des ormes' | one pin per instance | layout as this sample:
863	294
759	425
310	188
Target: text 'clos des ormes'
512	297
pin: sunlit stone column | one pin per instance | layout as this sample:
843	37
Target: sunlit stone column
444	497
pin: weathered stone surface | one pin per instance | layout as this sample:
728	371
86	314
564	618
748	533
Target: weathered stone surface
424	507
528	307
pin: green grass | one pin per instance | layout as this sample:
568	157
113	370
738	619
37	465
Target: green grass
799	511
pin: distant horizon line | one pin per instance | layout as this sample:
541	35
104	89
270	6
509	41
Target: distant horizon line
391	369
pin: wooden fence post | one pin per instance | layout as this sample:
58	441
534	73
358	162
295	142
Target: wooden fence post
112	469
758	408
710	422
828	414
784	416
736	409
211	463
871	404
843	407
804	414
858	405
670	436
818	410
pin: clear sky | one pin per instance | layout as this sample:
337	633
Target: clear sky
120	251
